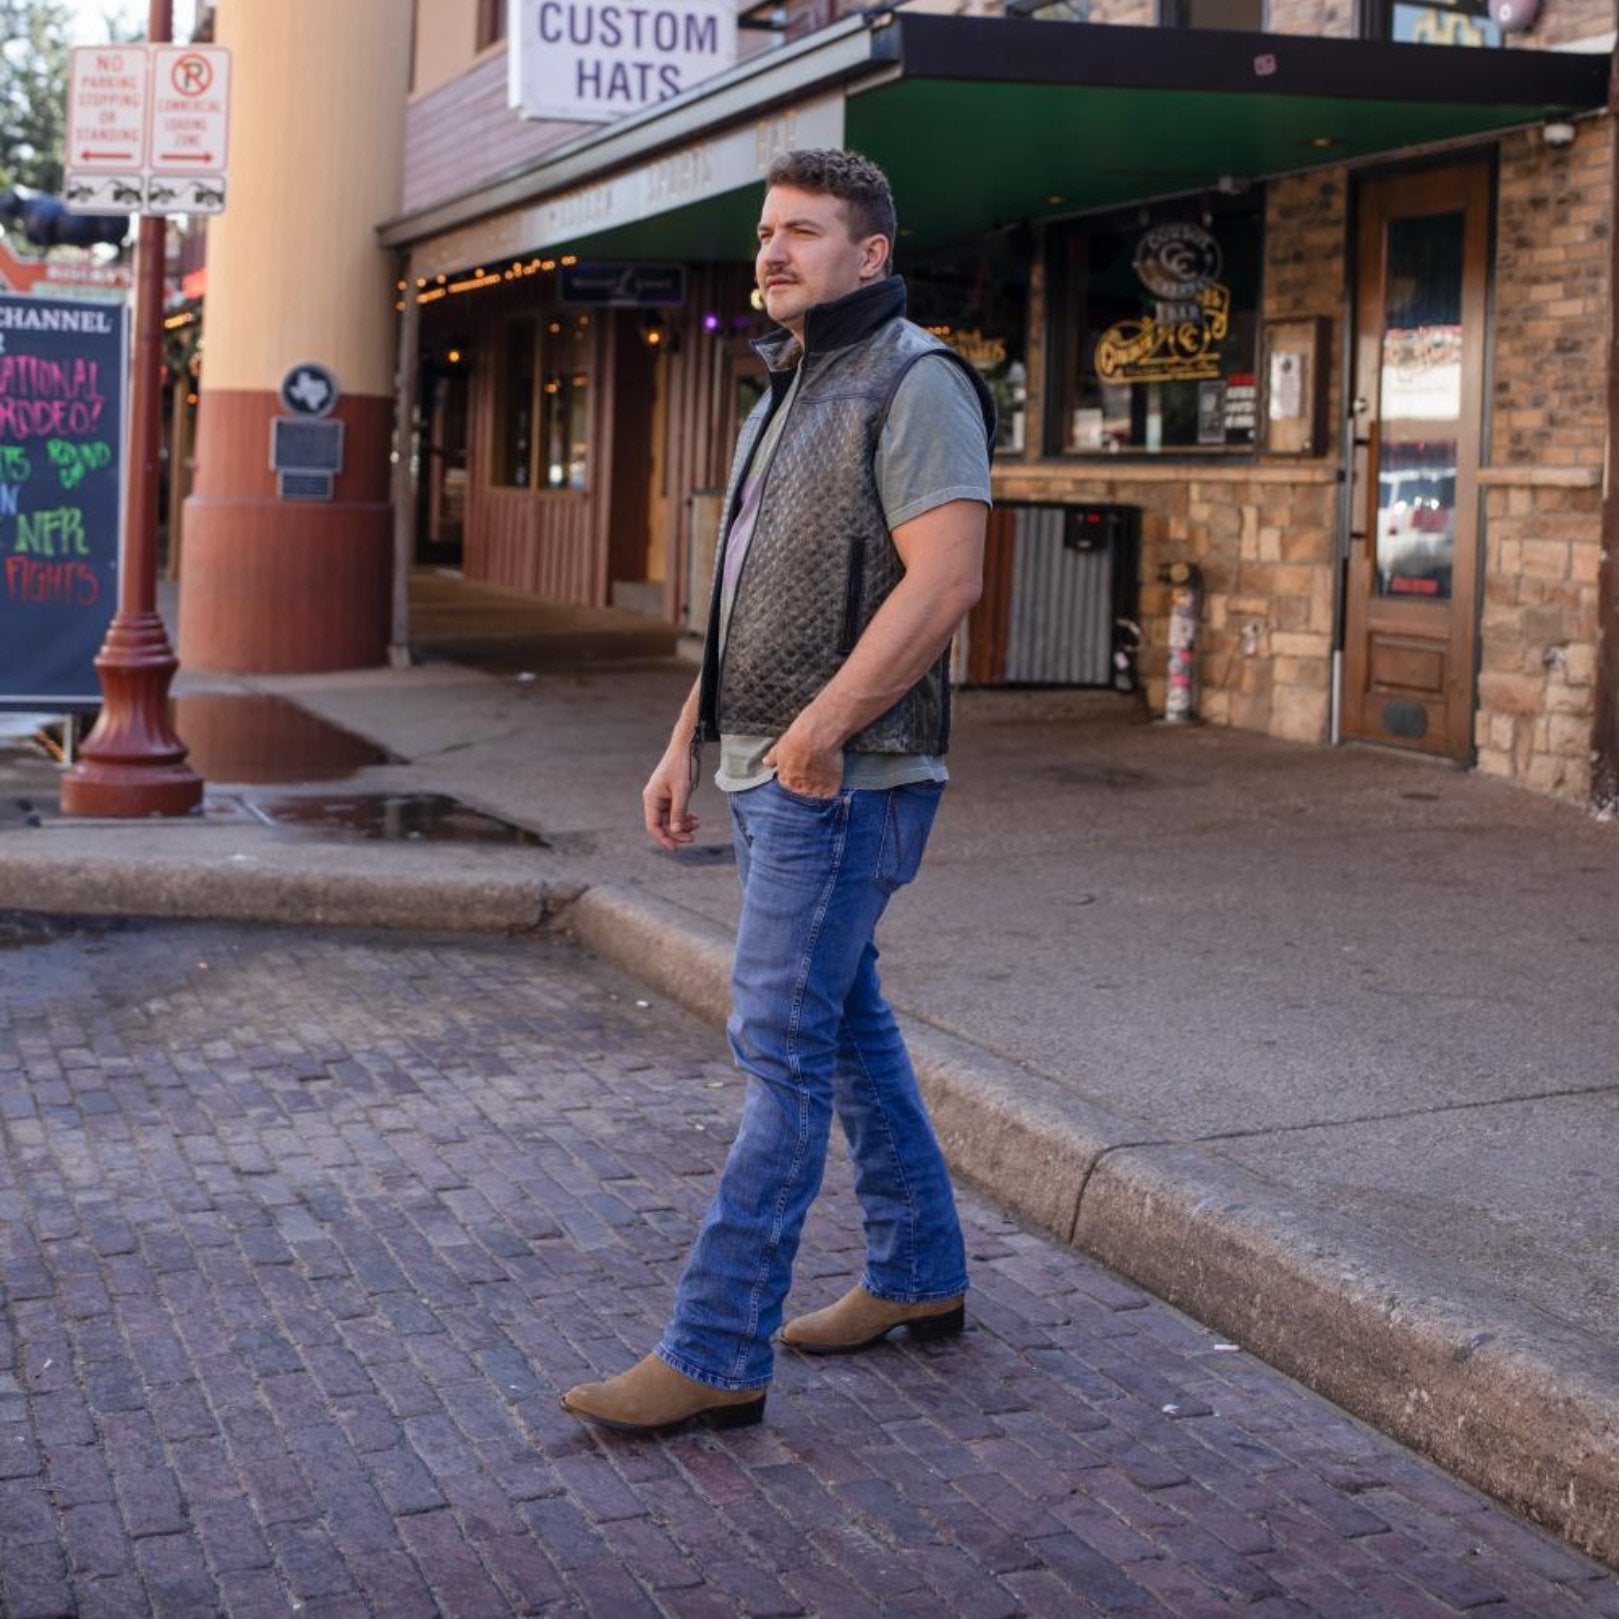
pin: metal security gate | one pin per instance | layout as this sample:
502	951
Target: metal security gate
1060	603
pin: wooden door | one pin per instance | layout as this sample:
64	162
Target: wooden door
1418	382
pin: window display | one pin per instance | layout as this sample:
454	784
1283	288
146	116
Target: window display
975	297
1158	322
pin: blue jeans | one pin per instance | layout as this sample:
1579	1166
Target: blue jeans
810	1028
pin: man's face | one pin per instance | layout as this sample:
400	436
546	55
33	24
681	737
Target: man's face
807	256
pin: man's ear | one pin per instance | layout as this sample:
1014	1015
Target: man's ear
875	254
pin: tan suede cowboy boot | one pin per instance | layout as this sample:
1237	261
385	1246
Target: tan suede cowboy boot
652	1396
858	1320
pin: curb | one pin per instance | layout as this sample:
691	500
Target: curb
1517	1403
313	893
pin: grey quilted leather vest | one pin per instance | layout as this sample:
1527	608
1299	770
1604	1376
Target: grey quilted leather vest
821	560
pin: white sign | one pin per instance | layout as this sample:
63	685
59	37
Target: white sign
106	108
190	109
121	193
590	61
736	159
148	127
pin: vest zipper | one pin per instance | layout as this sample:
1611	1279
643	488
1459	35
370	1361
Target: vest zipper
852	593
758	512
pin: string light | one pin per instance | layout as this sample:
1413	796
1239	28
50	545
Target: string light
476	280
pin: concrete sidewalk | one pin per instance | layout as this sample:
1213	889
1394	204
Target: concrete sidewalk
1318	1045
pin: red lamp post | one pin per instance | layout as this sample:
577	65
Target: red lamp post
132	763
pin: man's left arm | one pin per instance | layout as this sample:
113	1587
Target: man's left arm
943	553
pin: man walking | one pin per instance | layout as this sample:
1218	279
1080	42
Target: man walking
853	547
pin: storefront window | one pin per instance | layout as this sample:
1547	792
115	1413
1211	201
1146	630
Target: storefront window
1157	316
976	298
565	401
1460	22
491	22
514	408
542	404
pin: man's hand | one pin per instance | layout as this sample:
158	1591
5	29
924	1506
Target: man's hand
665	797
669	788
806	763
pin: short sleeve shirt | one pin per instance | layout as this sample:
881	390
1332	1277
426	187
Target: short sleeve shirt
933	450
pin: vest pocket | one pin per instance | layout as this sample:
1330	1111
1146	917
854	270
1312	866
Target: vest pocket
853	590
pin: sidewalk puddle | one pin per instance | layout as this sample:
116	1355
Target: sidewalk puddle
394	818
251	739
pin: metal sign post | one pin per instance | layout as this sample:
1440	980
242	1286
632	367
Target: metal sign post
132	763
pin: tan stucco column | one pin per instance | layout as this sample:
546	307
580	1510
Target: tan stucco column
295	274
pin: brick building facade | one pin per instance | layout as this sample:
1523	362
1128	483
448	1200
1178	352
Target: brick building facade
1291	645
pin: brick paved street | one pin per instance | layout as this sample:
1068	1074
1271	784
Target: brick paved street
301	1233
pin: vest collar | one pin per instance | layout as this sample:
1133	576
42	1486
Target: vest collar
837	324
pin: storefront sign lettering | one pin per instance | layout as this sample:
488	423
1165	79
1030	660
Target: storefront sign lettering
678	179
773	135
593	60
1180	340
981	352
1182	348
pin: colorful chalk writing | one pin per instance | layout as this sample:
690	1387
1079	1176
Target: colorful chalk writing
72	460
61	395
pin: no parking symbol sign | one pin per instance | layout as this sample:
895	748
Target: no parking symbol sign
148	129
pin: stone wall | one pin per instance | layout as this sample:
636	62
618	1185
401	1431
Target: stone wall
1564	22
1543	486
1324	19
1561	22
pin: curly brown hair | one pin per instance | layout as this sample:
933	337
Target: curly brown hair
855	181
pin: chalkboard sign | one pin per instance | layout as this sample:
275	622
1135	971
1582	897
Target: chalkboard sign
61	457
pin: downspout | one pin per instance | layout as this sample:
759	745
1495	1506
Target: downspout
1605	722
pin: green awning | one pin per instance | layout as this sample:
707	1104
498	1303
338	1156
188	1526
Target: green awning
985	122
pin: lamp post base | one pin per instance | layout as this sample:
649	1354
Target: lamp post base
132	763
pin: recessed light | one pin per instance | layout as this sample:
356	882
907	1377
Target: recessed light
1321	142
1054	199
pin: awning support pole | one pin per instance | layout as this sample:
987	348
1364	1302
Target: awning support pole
406	387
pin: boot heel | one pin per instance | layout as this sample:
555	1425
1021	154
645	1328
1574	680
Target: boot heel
737	1416
939	1326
